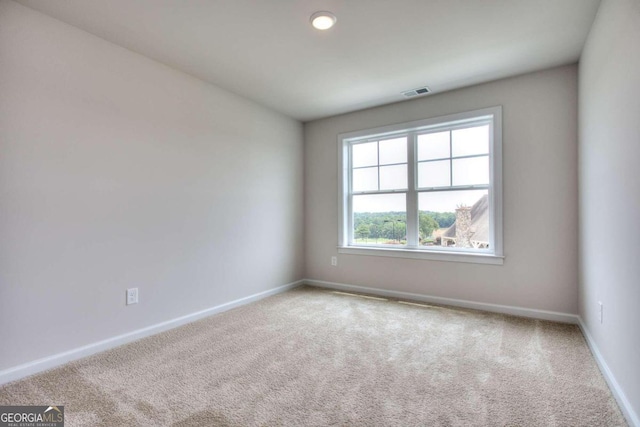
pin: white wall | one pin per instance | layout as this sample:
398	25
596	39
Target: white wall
610	190
116	172
540	198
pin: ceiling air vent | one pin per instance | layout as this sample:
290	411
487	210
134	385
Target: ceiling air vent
416	92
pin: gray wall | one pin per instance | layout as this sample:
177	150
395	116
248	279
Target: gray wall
117	172
610	190
540	198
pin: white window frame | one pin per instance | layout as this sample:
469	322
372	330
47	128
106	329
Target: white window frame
346	243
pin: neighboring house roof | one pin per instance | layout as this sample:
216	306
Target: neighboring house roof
437	233
479	221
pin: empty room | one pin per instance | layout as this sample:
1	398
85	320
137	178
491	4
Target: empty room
319	212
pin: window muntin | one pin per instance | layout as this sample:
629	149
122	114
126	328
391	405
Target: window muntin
455	157
379	181
430	187
379	165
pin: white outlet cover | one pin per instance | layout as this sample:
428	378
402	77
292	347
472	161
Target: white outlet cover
132	296
601	311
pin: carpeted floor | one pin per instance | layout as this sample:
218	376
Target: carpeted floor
315	357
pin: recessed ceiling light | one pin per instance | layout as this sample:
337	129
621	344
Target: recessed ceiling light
323	20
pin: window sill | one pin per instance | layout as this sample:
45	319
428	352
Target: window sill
481	258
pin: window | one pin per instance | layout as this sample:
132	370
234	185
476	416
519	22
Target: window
427	189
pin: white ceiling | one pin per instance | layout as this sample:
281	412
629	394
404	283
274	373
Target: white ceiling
266	50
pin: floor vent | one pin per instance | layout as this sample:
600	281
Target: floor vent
360	296
416	92
419	304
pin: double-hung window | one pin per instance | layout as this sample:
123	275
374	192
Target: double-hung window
426	189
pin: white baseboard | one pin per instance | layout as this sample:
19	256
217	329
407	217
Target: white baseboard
621	398
495	308
30	368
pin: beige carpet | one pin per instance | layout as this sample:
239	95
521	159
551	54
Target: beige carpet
314	357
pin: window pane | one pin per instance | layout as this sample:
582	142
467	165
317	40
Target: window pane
393	151
379	219
454	218
365	179
433	146
434	174
365	154
471	171
393	177
470	141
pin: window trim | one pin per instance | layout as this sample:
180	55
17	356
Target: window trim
464	119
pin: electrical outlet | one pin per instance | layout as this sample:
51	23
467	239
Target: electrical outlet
132	296
601	311
334	261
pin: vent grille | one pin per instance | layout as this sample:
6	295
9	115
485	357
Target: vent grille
359	296
416	92
417	304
